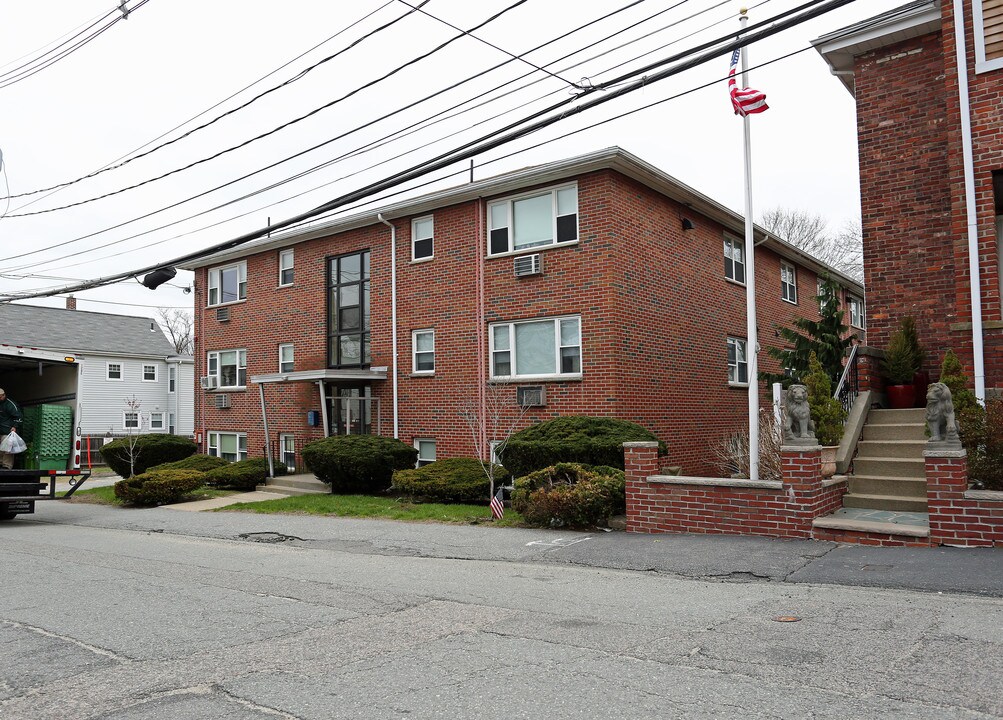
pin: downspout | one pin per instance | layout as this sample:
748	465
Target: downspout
393	313
978	352
481	332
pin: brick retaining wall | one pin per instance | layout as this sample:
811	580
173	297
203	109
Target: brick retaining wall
959	516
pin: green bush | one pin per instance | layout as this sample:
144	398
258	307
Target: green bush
202	463
573	439
158	488
148	450
983	438
240	475
450	480
901	363
570	494
826	411
358	463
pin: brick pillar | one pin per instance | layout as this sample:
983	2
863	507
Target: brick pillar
640	460
801	466
946	483
869	369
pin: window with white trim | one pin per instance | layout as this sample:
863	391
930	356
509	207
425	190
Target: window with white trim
423	351
856	311
533	220
227	284
149	373
426	451
172	426
738	363
287	451
422	232
229	367
988	24
156	421
734	260
550	348
788	283
172	378
286	363
130	420
113	371
229	446
286	260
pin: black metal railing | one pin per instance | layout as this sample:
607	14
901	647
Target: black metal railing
848	386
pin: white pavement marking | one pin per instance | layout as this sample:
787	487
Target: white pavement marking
558	542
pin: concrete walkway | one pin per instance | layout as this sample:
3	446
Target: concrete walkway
214	503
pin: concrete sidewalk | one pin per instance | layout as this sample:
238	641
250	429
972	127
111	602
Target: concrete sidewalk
214	503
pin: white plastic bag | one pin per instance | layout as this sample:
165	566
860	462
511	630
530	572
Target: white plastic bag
12	444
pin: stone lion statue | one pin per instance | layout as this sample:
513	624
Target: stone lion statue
940	414
798	424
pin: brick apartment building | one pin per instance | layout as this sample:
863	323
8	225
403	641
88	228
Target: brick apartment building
595	285
915	180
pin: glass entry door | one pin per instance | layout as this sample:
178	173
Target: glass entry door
350	409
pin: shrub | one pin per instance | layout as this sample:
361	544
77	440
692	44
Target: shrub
202	463
148	451
241	475
450	480
730	453
358	463
900	363
983	437
573	439
826	411
570	494
158	488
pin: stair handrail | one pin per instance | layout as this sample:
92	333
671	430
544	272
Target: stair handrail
848	386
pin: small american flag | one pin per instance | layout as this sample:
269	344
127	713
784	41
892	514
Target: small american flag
744	100
497	506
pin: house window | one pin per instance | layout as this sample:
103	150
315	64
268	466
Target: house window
426	451
422	230
738	363
856	311
533	220
149	373
130	420
285	268
229	367
495	454
423	351
229	446
228	284
988	16
734	259
172	379
348	310
537	348
788	283
287	451
172	426
114	371
156	421
286	358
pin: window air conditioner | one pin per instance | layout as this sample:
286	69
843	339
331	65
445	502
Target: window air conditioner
531	396
527	265
222	402
210	382
223	314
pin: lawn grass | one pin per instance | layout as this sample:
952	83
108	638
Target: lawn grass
367	506
106	495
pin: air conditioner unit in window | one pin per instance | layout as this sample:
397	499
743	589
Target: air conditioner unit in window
223	314
210	382
222	402
531	396
527	265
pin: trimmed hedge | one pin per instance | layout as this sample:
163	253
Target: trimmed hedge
150	450
450	480
358	463
241	475
570	494
573	439
202	463
158	488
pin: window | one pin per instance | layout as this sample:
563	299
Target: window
422	230
426	451
172	378
287	451
423	351
533	220
286	358
988	16
788	283
734	260
856	311
228	284
172	426
285	268
114	371
156	421
229	367
149	373
348	310
537	348
495	455
738	364
130	420
229	446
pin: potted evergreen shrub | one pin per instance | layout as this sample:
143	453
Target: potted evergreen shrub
920	378
900	366
826	412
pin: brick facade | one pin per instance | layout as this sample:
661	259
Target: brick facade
959	516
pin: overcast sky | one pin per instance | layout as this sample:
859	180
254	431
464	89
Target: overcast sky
173	60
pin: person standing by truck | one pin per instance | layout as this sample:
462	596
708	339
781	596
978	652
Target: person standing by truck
10	420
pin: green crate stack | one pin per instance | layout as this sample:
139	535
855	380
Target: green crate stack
54	434
29	423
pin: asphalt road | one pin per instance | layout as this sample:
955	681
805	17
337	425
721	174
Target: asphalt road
111	613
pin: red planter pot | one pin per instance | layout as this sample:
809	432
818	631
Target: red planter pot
901	396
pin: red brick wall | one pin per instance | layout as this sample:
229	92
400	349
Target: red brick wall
954	518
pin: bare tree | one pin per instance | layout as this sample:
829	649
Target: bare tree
179	325
492	425
133	407
842	250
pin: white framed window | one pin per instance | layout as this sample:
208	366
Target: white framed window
422	232
156	421
113	371
149	373
130	420
172	426
286	260
788	283
172	378
286	363
228	284
426	451
287	451
229	446
988	24
734	259
229	367
423	351
856	311
495	455
550	348
535	219
738	362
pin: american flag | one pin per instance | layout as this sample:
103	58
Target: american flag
744	100
497	506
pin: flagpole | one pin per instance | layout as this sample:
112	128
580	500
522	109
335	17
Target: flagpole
752	340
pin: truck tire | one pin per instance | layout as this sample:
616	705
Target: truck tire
7	516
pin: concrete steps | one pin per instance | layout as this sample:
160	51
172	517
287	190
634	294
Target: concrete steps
889	472
302	484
